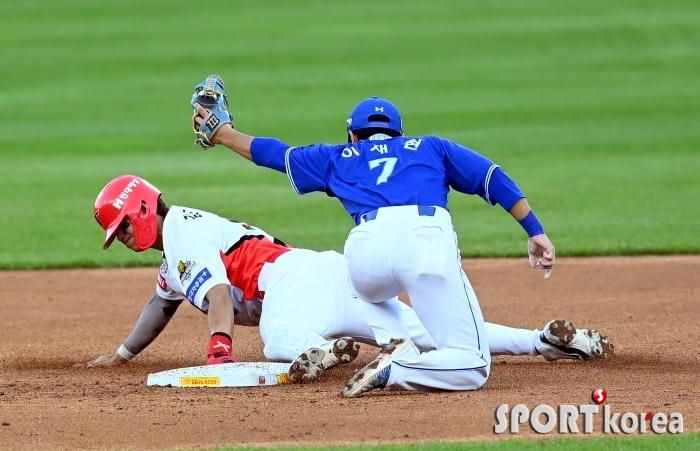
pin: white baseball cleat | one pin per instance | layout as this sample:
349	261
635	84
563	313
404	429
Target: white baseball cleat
311	364
376	374
561	340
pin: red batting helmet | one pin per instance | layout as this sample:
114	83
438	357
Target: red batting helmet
132	196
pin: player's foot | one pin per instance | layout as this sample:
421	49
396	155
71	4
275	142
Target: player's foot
345	350
376	374
561	340
311	364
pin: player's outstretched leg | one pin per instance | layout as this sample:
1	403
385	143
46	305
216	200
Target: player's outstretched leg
561	340
311	364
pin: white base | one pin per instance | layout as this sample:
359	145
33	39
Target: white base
246	374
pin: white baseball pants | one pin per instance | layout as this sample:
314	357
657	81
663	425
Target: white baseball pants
402	250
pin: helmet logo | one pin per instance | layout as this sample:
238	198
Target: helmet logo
379	108
118	203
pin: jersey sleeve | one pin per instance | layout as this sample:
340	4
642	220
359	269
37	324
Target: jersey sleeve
269	152
162	288
471	173
468	172
198	266
307	167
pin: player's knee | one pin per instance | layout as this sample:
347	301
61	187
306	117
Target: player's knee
476	378
484	374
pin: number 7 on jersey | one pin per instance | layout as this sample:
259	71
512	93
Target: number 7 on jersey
388	168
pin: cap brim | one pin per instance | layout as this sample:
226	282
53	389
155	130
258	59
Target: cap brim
109	240
112	232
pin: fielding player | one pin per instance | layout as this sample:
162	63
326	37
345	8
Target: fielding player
227	268
395	188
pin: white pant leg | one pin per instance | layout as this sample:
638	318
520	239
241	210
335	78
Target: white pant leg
302	304
401	250
367	283
505	340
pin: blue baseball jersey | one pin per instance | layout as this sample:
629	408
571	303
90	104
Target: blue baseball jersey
384	171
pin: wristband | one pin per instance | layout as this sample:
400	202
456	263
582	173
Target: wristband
125	353
220	345
531	225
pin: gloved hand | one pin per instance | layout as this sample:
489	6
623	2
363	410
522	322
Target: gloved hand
211	95
220	349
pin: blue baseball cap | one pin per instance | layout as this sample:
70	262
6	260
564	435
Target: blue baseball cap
377	107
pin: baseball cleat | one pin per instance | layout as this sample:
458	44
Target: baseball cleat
311	364
376	374
561	340
345	350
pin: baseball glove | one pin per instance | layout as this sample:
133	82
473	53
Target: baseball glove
211	94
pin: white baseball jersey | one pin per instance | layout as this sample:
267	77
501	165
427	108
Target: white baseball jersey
202	250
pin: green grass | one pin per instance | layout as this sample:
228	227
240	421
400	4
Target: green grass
592	107
685	442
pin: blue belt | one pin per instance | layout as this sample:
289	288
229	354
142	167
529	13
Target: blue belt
423	210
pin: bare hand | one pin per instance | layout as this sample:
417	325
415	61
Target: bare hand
540	252
202	114
106	360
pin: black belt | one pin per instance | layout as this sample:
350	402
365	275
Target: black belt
423	210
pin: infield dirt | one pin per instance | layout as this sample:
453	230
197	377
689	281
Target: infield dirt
51	320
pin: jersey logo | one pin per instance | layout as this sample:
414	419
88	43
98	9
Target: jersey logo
197	283
381	148
185	270
212	122
223	346
412	144
191	214
349	151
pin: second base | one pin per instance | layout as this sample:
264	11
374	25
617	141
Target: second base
247	374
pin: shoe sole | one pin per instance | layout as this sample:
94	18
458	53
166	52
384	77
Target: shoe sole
581	344
355	386
602	348
345	349
560	332
308	367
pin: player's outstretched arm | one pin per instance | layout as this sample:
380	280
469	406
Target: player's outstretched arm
220	315
153	319
226	135
539	249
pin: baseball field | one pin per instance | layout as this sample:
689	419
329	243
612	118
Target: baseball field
592	107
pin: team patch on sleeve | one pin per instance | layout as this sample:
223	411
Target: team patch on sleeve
161	283
161	276
197	283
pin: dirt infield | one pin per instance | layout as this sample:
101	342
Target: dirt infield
50	320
